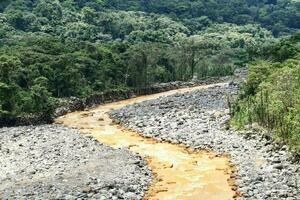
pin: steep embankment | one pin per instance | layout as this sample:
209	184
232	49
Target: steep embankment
197	119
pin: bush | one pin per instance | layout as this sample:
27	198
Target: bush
271	97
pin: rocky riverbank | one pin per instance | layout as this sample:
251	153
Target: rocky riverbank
75	104
71	104
197	119
55	162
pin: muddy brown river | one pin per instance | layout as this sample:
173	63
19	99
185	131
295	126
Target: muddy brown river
180	173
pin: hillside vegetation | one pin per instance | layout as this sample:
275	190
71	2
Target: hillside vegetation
51	49
271	95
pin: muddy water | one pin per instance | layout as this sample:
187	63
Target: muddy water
180	173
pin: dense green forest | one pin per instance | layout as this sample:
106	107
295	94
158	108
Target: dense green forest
51	49
271	95
279	16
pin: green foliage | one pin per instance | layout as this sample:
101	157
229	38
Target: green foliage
271	93
52	49
258	72
8	100
280	17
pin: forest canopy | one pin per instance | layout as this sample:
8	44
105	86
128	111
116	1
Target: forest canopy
50	49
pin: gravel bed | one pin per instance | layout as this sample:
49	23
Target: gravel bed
197	119
55	162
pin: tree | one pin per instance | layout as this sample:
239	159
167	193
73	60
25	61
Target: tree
192	50
42	102
8	67
8	94
49	9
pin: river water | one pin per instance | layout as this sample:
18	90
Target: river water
180	173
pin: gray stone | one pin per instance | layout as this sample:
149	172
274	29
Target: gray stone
262	168
56	162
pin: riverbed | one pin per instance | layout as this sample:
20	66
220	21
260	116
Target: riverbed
179	172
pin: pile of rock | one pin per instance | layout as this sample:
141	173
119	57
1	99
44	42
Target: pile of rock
197	119
55	162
